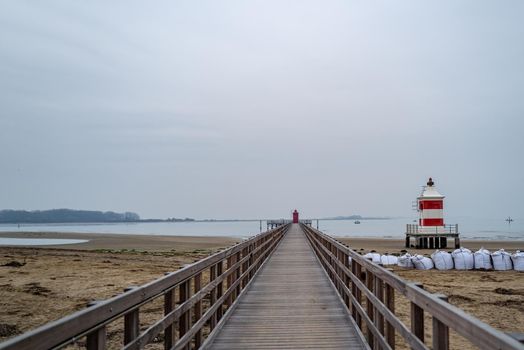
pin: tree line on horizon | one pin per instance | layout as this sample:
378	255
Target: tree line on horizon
10	216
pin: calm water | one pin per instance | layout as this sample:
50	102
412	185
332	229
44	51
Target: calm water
38	241
470	228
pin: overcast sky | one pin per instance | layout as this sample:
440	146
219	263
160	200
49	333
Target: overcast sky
250	109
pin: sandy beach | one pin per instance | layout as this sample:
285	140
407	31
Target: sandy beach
63	279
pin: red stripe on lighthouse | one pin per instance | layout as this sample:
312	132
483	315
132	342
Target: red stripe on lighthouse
432	222
431	205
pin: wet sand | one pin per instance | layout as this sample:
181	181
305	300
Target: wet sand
123	241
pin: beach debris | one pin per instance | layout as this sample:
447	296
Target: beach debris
36	289
518	260
442	260
405	261
463	259
422	262
501	260
482	258
14	263
7	330
388	260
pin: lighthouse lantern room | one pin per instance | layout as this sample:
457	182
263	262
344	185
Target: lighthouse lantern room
431	232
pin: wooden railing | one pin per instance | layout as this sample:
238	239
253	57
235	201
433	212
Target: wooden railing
194	299
369	290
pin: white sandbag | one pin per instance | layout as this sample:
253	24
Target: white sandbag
501	260
518	260
442	260
405	261
482	259
374	257
422	263
463	259
388	260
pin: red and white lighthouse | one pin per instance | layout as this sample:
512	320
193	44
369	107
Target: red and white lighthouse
431	232
295	217
430	205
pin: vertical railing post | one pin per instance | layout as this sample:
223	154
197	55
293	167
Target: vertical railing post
417	318
229	299
245	266
131	322
390	304
184	323
97	339
358	293
379	318
237	275
346	278
369	308
440	338
170	331
198	309
220	289
250	261
213	296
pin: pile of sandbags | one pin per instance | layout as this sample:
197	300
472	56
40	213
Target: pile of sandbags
518	260
388	260
422	263
459	259
405	261
442	260
501	260
482	258
374	257
463	259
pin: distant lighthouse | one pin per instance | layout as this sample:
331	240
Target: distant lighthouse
430	205
431	232
295	217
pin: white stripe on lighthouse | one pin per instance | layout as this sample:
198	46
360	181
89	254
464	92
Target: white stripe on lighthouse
432	213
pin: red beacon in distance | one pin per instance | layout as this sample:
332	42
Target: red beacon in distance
295	217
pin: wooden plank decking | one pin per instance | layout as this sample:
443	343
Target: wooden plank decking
290	305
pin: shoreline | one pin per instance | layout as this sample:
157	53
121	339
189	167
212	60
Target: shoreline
97	241
146	242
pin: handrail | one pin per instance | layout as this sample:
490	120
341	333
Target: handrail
241	260
356	277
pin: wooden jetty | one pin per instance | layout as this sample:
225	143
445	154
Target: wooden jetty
292	287
291	304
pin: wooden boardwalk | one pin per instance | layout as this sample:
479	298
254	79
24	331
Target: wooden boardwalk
291	304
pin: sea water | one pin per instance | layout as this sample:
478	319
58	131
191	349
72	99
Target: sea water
38	241
469	228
